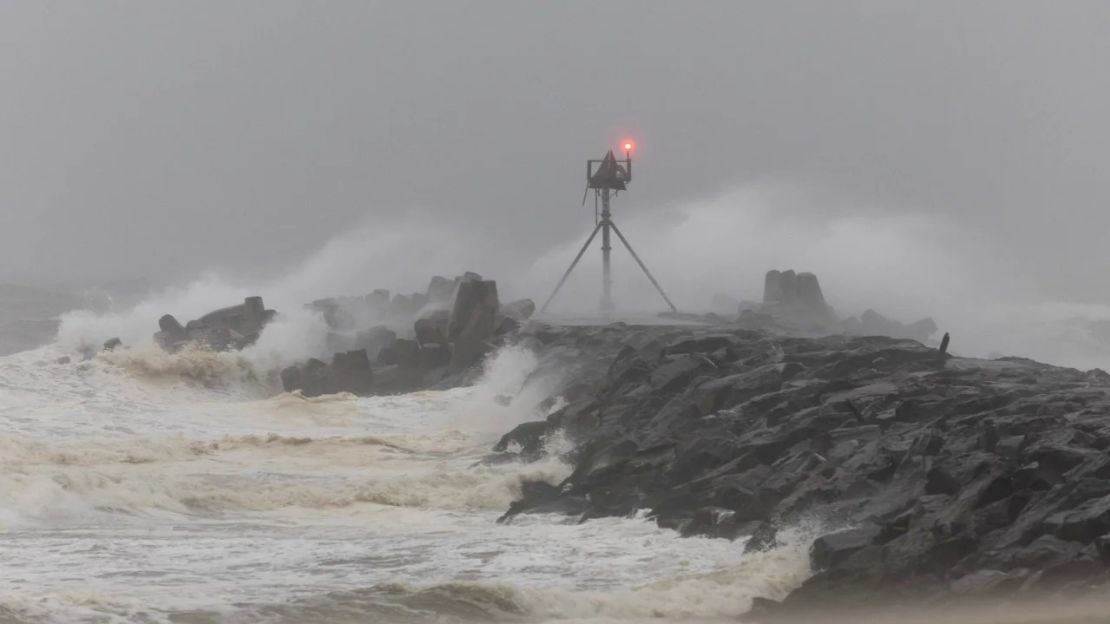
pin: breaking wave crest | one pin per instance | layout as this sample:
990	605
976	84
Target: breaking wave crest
205	367
43	483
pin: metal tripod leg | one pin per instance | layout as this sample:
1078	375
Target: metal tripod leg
572	265
642	265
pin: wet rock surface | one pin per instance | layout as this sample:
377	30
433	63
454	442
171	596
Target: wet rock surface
930	476
471	323
234	327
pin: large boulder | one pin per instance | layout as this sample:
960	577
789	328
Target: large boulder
234	327
512	315
350	372
431	327
788	288
245	319
472	321
809	292
795	297
171	334
772	287
310	378
834	548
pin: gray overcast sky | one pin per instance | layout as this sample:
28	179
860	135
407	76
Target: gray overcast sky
160	139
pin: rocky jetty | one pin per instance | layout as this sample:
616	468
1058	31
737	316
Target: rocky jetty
927	476
923	475
381	343
234	327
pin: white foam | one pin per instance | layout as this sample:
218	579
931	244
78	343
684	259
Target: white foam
139	484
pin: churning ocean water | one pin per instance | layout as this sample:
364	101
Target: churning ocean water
139	486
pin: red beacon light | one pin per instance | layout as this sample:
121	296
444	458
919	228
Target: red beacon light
628	146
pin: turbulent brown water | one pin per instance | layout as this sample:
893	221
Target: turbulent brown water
145	487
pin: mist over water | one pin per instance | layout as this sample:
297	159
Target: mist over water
904	264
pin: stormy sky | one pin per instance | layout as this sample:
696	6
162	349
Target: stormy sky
162	139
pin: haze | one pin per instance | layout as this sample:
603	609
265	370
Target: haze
915	155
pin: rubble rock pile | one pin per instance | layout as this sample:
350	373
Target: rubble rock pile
458	322
932	476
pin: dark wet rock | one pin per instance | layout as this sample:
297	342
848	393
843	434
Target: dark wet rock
234	327
112	344
505	326
772	287
511	316
434	357
939	476
795	298
472	321
832	549
988	582
809	294
763	538
528	437
171	333
348	372
545	498
310	378
431	327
